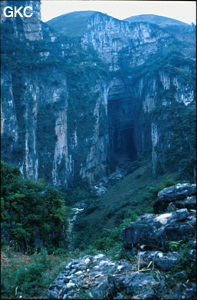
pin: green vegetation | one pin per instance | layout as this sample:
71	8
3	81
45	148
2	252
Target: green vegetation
34	215
179	134
171	59
77	191
102	221
29	276
97	229
175	245
185	270
110	242
71	24
33	229
154	19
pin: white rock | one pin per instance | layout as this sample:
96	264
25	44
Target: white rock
119	268
78	273
70	285
86	261
99	256
160	254
163	218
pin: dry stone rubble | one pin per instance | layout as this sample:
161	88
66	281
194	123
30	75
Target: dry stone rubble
150	271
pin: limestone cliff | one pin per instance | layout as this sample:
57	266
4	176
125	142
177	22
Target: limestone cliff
135	42
79	105
23	27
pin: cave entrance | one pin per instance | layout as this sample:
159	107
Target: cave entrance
121	142
121	130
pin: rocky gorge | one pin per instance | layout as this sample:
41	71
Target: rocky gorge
98	149
159	263
116	90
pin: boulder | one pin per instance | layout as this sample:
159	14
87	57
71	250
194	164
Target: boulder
142	285
163	261
151	231
167	262
176	196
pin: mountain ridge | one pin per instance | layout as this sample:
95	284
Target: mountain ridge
58	23
77	19
77	23
155	19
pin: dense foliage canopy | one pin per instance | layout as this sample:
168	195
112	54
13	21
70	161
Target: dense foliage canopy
34	215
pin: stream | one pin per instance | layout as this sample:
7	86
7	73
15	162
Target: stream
71	222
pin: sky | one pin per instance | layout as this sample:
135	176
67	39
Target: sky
184	11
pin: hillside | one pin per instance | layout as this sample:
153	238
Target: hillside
96	251
126	199
182	31
72	24
155	19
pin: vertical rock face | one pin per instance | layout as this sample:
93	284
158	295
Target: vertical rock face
8	117
95	164
111	37
155	140
37	122
29	28
72	106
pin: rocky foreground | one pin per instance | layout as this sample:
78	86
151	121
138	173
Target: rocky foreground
160	251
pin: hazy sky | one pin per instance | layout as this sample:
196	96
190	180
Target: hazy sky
184	11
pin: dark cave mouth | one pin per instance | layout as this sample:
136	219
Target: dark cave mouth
121	131
122	147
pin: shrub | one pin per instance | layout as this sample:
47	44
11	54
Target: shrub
175	245
34	215
28	276
184	263
29	279
170	182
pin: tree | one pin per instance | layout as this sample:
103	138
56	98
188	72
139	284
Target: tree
33	214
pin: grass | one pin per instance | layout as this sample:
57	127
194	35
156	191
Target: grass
128	199
28	276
